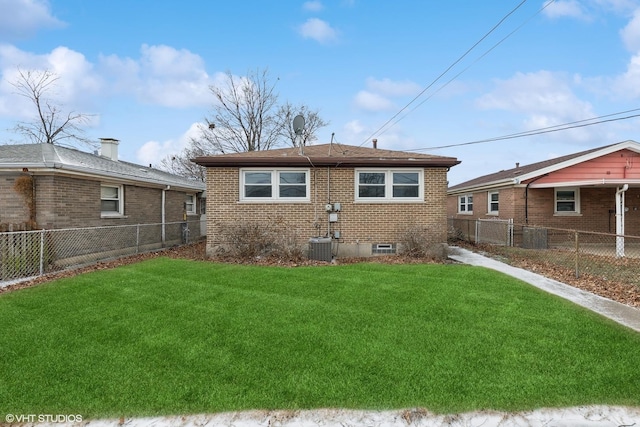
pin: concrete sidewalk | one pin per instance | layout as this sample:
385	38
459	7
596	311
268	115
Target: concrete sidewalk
621	313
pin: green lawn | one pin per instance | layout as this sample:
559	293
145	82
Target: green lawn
169	336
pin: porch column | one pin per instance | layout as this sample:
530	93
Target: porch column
620	220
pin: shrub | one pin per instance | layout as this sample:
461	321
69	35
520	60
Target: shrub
249	241
417	242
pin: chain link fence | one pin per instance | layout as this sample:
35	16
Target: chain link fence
27	254
608	256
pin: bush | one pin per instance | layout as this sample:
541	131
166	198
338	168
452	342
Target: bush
417	242
251	241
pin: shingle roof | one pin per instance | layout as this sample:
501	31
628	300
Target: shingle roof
326	155
510	174
50	156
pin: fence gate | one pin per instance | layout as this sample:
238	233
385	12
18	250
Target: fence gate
495	231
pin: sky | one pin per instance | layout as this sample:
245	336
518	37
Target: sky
444	78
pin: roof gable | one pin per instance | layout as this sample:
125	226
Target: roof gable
326	155
522	174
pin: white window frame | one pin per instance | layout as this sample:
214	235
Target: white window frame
120	200
388	186
463	200
576	201
275	186
190	207
490	210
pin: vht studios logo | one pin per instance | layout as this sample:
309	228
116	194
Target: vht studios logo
43	418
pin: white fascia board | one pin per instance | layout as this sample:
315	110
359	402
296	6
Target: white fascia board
504	183
588	183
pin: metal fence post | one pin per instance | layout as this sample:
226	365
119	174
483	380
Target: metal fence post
577	254
137	238
41	252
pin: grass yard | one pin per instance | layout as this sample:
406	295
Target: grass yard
170	336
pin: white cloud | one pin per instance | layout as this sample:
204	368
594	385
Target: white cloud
627	85
389	87
23	18
318	30
152	152
370	101
75	89
377	95
313	6
631	33
162	75
566	8
545	99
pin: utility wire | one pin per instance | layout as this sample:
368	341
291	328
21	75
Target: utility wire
380	131
556	128
445	71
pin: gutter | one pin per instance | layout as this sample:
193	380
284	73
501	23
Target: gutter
222	162
113	176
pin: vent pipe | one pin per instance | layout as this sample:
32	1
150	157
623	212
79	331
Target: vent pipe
375	143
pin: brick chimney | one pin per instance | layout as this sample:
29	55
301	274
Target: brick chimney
109	148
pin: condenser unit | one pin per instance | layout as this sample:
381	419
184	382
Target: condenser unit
320	249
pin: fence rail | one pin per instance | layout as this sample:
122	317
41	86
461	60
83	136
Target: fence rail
25	254
608	256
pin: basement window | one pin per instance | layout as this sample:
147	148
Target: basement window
383	248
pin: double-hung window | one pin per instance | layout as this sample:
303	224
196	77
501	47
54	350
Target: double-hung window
493	198
386	185
190	204
287	185
111	200
567	200
465	204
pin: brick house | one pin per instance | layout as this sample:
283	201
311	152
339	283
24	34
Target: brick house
359	198
593	190
52	187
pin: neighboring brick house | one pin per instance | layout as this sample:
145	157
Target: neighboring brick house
52	187
362	198
595	190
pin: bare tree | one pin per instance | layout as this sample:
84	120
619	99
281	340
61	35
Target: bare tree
312	122
52	125
244	116
181	164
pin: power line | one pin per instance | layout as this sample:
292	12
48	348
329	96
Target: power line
549	129
380	131
445	71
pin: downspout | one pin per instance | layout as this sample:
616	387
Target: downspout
328	199
526	197
164	200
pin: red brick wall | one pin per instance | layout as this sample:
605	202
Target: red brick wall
358	223
595	206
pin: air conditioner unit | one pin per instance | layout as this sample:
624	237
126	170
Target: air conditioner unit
320	249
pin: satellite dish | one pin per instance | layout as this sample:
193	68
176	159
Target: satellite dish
298	124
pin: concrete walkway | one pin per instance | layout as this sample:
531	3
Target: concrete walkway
621	313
